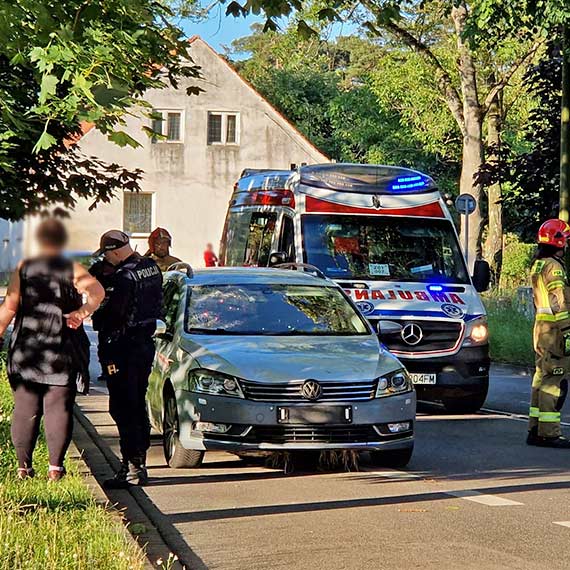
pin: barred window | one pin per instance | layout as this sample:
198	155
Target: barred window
223	128
137	213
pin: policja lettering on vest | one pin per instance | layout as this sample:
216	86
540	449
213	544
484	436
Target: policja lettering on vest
126	324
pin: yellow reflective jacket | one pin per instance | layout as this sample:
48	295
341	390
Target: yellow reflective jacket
550	291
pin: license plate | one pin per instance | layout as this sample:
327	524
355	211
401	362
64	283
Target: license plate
315	415
419	378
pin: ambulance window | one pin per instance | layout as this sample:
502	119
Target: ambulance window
287	238
235	237
260	238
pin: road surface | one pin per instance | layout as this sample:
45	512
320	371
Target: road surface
474	497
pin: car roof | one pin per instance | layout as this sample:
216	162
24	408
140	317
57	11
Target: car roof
243	275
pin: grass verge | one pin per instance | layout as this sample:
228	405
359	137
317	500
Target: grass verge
54	526
510	332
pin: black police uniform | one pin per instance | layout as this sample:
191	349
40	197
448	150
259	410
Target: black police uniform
126	323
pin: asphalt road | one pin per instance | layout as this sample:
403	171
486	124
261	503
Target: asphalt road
474	497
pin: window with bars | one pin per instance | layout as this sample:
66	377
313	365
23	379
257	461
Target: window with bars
169	125
137	213
223	128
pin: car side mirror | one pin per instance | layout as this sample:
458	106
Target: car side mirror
481	275
277	258
161	329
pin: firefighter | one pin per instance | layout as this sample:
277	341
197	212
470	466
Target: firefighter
159	243
551	336
126	323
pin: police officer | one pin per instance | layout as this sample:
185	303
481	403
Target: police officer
551	336
126	323
159	243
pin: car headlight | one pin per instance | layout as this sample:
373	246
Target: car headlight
211	382
476	332
396	382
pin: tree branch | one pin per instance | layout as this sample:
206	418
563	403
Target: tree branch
444	82
500	85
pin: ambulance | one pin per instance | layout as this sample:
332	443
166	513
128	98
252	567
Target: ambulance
383	233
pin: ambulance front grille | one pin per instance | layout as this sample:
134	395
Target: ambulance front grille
437	336
291	391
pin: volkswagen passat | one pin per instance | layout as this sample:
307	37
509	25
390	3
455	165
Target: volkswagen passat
272	360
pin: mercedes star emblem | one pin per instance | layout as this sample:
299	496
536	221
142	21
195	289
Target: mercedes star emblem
412	334
311	390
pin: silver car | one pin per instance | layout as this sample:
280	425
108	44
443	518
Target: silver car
271	360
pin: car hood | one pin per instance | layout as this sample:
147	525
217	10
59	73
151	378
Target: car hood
283	359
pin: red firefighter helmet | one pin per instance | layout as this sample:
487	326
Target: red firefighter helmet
554	232
158	233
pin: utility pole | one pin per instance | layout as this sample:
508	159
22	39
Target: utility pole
564	213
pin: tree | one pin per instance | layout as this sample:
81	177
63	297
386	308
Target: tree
67	62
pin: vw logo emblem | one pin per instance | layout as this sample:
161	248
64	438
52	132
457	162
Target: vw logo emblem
377	202
412	334
365	307
311	390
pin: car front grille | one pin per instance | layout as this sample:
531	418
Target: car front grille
291	391
313	434
437	336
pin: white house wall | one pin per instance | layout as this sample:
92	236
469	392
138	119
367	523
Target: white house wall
192	181
11	245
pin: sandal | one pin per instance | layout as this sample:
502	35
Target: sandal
26	473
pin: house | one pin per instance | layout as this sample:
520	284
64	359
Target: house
189	175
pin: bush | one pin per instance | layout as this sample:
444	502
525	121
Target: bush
517	259
510	331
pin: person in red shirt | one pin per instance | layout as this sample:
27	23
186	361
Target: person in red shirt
210	258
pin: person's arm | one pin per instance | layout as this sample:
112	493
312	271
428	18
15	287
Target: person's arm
86	285
11	302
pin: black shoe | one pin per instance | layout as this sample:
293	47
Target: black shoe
532	437
138	474
119	481
555	442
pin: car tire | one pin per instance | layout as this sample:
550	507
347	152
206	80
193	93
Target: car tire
393	458
176	456
465	404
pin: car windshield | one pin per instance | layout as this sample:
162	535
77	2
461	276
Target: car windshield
262	309
384	248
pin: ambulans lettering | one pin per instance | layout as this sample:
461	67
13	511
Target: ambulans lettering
405	295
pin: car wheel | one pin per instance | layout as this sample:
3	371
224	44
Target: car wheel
465	404
394	458
176	456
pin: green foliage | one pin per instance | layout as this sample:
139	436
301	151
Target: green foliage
67	62
510	331
517	260
53	525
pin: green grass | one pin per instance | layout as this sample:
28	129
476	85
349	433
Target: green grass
510	332
54	526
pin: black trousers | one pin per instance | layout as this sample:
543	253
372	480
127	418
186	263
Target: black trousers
55	404
128	363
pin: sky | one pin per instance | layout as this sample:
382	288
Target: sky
220	30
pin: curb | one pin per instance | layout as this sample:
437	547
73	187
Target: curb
154	532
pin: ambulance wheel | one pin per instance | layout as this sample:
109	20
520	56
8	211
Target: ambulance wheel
393	458
465	404
176	456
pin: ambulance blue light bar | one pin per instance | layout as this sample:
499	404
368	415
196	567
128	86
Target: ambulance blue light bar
435	288
367	179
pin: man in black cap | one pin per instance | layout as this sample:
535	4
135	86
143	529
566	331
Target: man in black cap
126	322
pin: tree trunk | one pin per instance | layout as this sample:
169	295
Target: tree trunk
473	132
493	247
565	129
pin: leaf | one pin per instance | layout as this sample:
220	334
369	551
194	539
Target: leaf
44	142
48	87
328	14
194	90
235	9
123	139
304	30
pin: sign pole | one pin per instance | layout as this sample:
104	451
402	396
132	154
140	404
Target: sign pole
466	222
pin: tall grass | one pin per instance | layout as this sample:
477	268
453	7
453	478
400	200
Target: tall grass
510	331
54	526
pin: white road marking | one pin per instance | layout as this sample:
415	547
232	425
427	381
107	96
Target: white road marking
390	474
489	500
567	523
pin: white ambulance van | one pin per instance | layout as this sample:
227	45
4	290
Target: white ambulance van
385	234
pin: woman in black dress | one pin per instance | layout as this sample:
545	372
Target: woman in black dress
48	356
